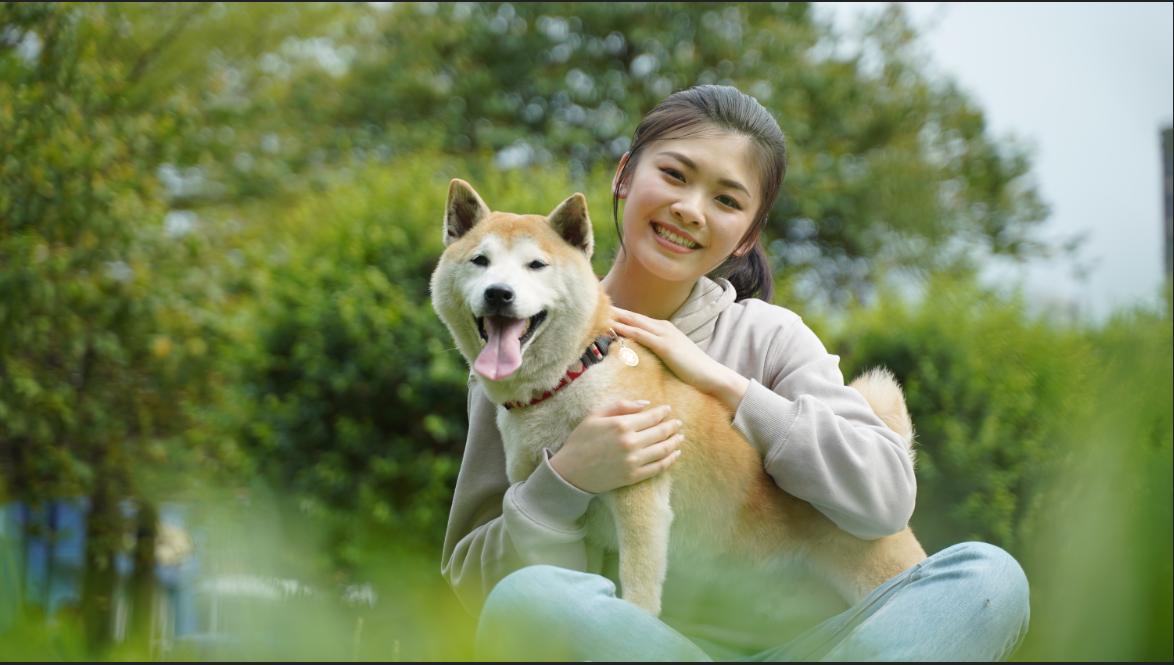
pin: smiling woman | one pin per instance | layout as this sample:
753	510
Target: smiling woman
701	176
686	211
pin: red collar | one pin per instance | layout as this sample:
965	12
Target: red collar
594	354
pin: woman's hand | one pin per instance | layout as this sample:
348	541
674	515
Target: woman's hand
681	356
620	444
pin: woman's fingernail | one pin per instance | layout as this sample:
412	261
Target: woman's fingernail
643	402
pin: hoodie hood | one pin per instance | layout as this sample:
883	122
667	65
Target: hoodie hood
697	317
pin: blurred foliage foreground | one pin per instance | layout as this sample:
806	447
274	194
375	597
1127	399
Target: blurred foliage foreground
216	342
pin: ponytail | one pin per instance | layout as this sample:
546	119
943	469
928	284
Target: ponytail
750	274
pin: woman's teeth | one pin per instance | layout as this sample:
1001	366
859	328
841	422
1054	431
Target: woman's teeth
674	238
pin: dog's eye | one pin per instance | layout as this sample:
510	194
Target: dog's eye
480	260
537	265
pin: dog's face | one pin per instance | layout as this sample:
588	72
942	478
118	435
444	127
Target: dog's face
514	288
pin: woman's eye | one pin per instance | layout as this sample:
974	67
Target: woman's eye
673	173
537	265
729	202
480	260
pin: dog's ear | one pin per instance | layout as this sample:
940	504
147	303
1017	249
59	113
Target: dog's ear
464	210
572	223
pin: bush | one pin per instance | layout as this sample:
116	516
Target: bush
1052	440
350	392
988	387
1097	546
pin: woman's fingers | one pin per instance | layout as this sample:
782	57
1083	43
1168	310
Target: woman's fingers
658	451
640	336
654	334
628	316
630	332
660	432
642	420
623	407
649	470
636	323
651	438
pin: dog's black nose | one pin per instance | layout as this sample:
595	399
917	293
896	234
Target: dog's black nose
499	295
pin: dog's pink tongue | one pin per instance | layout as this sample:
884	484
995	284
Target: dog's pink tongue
502	355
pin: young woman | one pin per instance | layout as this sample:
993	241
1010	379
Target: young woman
703	171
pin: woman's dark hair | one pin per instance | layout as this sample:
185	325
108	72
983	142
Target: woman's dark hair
703	108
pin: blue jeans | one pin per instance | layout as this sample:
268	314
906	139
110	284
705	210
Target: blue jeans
966	602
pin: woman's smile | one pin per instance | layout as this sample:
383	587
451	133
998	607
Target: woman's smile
673	239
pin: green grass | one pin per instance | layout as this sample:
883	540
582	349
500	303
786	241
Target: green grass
413	617
1099	557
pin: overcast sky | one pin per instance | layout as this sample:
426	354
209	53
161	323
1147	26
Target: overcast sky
1087	87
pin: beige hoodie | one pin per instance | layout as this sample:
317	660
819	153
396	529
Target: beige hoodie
819	440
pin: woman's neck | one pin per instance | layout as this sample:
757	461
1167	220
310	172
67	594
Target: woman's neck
632	288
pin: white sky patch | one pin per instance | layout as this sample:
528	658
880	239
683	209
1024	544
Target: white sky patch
1088	88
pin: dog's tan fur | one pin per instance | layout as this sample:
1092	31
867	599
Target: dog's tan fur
717	493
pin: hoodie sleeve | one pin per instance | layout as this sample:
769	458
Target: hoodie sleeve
821	441
494	527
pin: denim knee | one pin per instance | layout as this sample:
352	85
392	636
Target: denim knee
534	604
995	573
993	580
538	590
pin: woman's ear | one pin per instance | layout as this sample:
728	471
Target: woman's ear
618	188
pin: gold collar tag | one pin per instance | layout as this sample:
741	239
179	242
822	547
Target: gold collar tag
628	356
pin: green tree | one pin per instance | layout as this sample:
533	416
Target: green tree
89	289
889	165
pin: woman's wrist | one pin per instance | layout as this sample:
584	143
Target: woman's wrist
731	389
561	473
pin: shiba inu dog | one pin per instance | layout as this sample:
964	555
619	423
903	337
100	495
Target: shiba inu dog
519	297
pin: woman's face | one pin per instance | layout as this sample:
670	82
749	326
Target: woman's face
688	204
